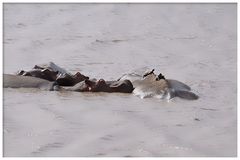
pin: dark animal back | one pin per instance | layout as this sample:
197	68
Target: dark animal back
186	95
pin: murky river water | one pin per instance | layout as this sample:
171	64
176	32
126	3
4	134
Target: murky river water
192	43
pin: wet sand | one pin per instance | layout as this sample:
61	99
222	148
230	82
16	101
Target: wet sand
193	43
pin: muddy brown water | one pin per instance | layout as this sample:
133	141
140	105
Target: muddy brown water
192	43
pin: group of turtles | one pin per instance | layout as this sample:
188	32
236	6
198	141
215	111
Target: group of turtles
52	77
